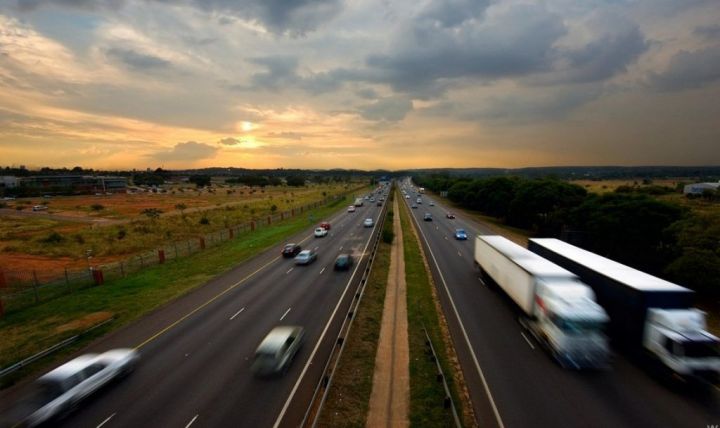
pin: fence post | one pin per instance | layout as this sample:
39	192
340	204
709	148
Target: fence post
3	283
2	310
269	220
122	269
98	276
292	212
231	233
202	243
176	252
67	280
161	256
142	262
35	285
252	225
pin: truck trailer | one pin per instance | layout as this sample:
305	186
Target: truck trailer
648	315
558	309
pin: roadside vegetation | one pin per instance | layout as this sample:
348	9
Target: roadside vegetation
427	394
28	331
348	399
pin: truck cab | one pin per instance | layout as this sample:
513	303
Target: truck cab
572	323
678	338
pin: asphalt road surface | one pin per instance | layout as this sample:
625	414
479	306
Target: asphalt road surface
197	351
513	382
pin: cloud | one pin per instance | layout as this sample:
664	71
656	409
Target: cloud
136	60
286	135
689	69
281	72
708	32
451	13
387	110
229	141
189	151
292	17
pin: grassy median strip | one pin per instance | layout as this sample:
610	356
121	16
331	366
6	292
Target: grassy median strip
426	392
349	395
31	330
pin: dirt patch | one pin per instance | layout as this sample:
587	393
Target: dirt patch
28	263
85	322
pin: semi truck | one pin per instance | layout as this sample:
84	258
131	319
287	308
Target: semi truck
558	309
648	315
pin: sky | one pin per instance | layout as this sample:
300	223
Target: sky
121	84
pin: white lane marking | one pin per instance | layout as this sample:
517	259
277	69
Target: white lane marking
459	254
237	313
340	248
289	270
527	340
106	420
316	248
445	238
286	312
192	421
323	270
322	336
462	328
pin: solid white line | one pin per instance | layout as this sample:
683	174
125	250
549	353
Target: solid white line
322	336
459	254
527	340
462	328
340	248
289	270
286	312
106	420
192	421
323	270
236	314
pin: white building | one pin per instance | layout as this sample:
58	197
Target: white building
699	188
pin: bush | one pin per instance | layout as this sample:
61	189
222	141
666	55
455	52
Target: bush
53	238
204	220
122	233
388	236
97	207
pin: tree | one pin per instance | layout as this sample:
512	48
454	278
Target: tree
543	204
200	180
295	180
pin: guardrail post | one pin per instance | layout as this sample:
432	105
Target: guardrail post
161	256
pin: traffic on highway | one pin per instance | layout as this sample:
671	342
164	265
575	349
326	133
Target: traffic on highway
512	379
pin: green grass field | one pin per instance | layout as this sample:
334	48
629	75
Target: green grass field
426	393
33	329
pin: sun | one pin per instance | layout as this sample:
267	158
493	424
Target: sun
247	126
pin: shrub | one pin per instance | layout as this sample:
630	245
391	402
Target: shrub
97	207
53	238
204	220
122	233
388	236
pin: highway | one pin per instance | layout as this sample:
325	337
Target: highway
512	381
197	350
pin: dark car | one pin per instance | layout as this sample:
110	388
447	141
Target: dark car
427	217
450	215
325	225
291	250
343	262
460	234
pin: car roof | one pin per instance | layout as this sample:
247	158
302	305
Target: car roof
71	367
277	337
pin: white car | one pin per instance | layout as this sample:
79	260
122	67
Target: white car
407	196
61	390
321	232
351	209
368	222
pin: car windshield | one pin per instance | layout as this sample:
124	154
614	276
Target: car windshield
578	326
700	349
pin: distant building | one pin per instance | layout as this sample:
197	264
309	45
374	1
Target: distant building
70	184
699	188
8	181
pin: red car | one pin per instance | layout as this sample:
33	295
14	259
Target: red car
450	215
325	225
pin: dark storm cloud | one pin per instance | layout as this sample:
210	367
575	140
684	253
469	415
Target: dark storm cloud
281	72
689	70
136	60
708	32
451	13
188	151
229	141
277	16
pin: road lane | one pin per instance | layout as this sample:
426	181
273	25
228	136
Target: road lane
528	387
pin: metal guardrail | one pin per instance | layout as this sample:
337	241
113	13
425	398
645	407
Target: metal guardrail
31	359
441	377
314	408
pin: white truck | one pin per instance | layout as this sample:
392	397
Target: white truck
649	316
358	202
558	309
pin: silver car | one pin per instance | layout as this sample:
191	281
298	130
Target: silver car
368	222
58	392
276	352
305	257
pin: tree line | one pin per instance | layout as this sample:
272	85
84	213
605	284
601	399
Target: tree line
632	227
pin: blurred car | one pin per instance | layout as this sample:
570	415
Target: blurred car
413	206
277	350
460	234
321	232
432	204
39	208
291	250
450	215
372	199
305	257
343	262
325	225
407	196
351	209
379	204
58	392
427	217
368	222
